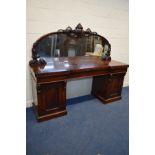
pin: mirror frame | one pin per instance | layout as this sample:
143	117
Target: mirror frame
77	32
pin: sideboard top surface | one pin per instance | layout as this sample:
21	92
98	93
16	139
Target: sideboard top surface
62	65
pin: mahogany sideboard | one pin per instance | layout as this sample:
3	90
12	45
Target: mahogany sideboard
50	73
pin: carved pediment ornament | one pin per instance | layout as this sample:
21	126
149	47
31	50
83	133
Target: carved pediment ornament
78	30
88	30
68	29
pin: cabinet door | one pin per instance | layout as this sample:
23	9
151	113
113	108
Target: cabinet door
51	97
116	83
108	87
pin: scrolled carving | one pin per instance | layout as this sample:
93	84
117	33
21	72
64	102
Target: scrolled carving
94	33
88	30
32	62
36	58
68	29
77	31
60	30
42	61
39	61
35	55
106	52
79	28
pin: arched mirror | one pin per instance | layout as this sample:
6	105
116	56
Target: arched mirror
69	43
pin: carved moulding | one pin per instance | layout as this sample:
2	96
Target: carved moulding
36	58
78	31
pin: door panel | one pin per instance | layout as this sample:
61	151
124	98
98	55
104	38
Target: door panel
51	97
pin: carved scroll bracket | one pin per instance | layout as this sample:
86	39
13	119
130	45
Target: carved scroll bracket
106	52
36	58
39	61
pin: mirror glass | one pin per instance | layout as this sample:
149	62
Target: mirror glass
62	44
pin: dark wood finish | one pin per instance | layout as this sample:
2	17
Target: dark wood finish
49	99
108	88
60	56
49	82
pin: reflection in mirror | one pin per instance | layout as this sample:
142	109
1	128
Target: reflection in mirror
62	44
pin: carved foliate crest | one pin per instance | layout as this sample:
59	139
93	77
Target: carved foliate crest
78	30
88	30
68	29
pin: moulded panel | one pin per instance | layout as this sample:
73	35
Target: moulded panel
51	97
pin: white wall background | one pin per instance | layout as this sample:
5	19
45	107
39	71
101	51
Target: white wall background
107	17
